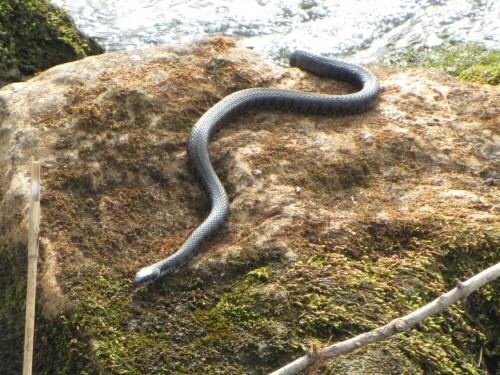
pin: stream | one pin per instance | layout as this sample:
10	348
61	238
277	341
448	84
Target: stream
363	30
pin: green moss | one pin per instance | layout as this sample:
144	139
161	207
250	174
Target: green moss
265	311
59	339
64	341
36	35
13	262
307	305
469	61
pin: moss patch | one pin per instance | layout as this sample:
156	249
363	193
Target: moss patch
469	61
259	310
13	268
36	35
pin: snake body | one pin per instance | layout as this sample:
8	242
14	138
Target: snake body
262	98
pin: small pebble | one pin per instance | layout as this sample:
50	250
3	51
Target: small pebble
490	181
368	138
257	173
135	58
486	133
298	190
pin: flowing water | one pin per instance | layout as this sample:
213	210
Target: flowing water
364	30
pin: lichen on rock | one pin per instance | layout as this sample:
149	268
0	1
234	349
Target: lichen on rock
395	205
36	35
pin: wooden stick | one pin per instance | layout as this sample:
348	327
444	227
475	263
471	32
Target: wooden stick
462	290
34	225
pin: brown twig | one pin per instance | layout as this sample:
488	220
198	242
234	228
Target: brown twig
34	225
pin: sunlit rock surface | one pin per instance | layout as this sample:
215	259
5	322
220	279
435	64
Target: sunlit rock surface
337	225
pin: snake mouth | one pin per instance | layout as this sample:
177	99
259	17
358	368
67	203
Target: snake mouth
146	275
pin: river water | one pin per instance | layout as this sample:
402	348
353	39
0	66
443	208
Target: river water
364	30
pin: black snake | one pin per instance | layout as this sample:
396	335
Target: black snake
264	98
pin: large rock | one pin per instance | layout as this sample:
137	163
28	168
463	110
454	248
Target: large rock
36	35
395	205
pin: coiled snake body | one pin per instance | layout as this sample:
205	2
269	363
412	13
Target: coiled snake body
264	98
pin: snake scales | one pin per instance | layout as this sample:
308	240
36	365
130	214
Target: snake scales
264	98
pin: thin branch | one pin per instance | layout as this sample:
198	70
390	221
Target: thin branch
34	226
460	292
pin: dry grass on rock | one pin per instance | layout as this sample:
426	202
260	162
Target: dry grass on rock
395	204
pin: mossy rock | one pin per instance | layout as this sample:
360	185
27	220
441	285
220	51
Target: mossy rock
36	35
396	204
467	60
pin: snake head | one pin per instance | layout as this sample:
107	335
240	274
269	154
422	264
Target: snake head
146	275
